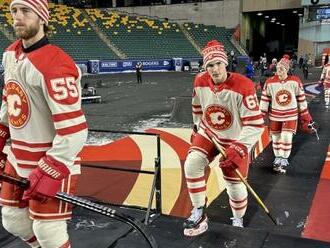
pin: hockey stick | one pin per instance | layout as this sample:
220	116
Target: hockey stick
251	190
92	206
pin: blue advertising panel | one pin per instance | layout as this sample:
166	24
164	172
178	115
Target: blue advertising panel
129	65
94	66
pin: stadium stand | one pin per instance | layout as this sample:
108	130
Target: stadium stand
203	33
135	37
4	43
143	38
69	24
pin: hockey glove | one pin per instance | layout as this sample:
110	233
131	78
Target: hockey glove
193	134
3	159
46	179
236	154
305	121
4	135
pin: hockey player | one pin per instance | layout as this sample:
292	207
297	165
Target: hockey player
41	112
283	100
225	108
325	80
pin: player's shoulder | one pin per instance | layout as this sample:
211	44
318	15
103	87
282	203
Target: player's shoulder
239	83
51	60
54	55
202	79
13	46
294	78
272	79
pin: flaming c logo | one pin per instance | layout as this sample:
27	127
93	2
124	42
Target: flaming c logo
18	105
283	97
218	117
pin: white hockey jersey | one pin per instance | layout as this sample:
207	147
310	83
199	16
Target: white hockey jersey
42	106
325	76
229	110
283	100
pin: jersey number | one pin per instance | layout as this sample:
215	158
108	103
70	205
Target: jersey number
251	102
64	90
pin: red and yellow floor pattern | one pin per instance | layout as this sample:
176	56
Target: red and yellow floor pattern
139	152
318	222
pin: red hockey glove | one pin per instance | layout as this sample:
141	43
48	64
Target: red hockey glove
46	179
3	159
4	135
305	121
236	154
193	134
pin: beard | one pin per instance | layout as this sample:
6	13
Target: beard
26	33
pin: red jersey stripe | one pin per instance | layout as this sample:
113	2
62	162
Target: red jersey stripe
72	129
67	116
31	145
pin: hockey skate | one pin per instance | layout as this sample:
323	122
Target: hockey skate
282	167
237	222
197	223
277	165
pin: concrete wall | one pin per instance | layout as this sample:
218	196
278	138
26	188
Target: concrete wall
220	13
259	5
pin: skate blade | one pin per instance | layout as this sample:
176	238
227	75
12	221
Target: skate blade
202	227
279	171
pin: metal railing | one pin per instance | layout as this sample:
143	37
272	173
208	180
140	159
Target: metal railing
156	183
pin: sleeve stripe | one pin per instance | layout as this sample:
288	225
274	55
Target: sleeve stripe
70	122
31	145
66	116
252	118
254	125
72	129
275	112
283	116
303	112
28	155
198	112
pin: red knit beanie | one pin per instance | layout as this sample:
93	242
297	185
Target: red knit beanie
214	51
38	6
285	62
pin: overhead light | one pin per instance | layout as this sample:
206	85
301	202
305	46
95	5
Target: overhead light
266	17
278	23
282	24
295	12
259	14
300	14
272	21
273	18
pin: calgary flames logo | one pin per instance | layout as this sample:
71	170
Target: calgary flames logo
218	117
18	105
283	97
